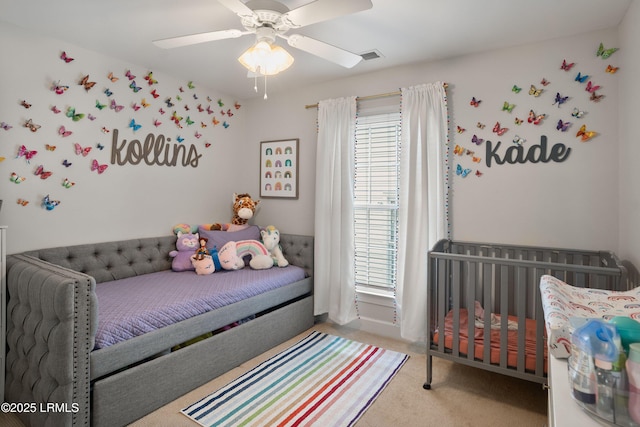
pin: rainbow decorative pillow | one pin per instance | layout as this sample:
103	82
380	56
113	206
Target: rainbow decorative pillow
219	238
561	302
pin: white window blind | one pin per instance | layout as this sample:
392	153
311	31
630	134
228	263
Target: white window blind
376	181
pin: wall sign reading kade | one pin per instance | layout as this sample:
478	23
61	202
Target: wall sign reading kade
156	150
533	154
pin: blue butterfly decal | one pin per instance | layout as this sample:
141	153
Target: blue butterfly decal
49	204
133	125
580	78
462	172
560	99
135	87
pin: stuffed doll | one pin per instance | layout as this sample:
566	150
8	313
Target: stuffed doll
243	210
186	244
202	251
271	241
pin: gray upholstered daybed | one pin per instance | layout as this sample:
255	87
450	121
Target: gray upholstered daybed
52	320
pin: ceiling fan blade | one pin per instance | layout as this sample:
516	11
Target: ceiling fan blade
172	42
323	50
239	8
323	10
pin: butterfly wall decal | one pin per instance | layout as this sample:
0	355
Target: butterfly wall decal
215	121
113	78
25	104
480	125
189	121
237	105
460	129
129	75
80	150
518	121
15	178
161	111
86	83
605	53
49	147
58	88
519	140
63	132
591	87
134	87
197	135
563	126
49	204
67	184
225	124
23	202
478	173
195	96
105	129
179	138
566	66
560	99
43	174
498	130
207	144
71	113
476	140
200	109
462	172
580	78
611	69
66	163
91	117
577	113
516	89
32	126
535	119
475	102
26	153
585	134
55	110
203	125
149	78
168	102
595	97
95	166
100	106
108	92
144	103
209	110
154	93
99	146
508	107
476	159
156	122
535	91
5	126
115	106
191	85
220	103
133	125
135	106
66	58
544	82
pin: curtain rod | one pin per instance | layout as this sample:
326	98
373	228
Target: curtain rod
365	98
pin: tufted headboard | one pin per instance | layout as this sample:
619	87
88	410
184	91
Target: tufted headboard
113	260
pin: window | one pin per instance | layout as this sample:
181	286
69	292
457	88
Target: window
376	194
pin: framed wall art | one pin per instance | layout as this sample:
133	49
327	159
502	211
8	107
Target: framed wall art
279	169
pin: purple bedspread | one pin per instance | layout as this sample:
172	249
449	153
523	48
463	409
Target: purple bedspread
136	305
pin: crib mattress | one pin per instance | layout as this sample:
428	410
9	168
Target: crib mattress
137	305
495	345
561	302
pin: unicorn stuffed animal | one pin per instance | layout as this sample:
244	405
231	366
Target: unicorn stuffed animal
271	240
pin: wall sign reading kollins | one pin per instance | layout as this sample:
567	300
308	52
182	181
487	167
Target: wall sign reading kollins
156	150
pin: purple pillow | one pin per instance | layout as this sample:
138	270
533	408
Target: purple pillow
219	238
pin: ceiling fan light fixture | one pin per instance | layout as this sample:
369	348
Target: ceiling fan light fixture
266	59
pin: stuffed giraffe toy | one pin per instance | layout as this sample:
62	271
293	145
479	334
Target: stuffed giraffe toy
244	207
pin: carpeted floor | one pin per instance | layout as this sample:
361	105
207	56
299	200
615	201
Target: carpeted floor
460	395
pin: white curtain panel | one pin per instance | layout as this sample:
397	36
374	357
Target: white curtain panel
422	214
334	276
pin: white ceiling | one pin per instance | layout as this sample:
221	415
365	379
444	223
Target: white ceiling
403	31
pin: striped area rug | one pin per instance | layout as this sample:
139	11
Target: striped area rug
322	380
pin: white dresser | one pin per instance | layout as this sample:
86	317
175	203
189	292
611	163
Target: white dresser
3	307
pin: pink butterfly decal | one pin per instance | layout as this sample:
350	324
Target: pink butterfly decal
135	106
66	58
115	106
197	134
42	173
95	166
58	88
79	150
544	82
497	129
566	66
161	111
535	119
26	153
55	110
129	75
209	110
475	102
200	109
62	131
157	123
591	87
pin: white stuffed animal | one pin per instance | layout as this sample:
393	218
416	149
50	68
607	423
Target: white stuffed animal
271	240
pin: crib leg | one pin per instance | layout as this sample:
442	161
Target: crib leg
427	384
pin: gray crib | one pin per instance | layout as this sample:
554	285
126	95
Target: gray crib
490	292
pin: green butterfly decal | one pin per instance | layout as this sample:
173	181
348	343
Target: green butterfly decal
605	53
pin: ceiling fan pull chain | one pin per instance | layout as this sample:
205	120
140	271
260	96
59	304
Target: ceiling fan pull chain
255	83
265	86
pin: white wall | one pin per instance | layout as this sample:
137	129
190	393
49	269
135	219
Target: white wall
126	201
629	140
569	204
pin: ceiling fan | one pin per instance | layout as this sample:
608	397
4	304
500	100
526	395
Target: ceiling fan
268	19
